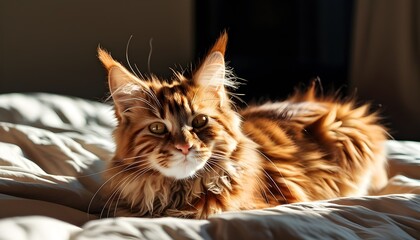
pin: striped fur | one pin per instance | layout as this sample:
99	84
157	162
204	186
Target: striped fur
308	147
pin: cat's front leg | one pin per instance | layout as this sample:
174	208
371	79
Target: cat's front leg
208	204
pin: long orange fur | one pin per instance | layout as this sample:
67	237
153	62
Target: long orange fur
307	147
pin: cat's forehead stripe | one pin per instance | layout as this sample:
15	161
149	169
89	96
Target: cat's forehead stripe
175	99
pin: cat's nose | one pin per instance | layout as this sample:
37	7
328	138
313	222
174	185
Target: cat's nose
184	148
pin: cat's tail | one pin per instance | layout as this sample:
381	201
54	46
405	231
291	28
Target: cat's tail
356	141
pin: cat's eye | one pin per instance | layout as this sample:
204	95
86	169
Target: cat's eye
158	128
200	121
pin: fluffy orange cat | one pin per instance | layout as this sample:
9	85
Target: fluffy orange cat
183	150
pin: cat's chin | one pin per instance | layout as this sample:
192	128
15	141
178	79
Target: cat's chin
186	169
180	172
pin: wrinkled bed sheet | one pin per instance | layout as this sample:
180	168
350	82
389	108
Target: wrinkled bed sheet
52	153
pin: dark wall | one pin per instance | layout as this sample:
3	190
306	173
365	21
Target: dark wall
277	45
50	46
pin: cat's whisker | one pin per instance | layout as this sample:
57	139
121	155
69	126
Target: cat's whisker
138	98
128	167
149	58
268	175
139	72
153	96
126	55
143	100
131	178
135	157
135	107
111	168
108	204
237	97
96	173
212	162
263	187
113	92
109	201
106	182
222	156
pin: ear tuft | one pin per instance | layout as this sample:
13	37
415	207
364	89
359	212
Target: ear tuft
220	45
106	58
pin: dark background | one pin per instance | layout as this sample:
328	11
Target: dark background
279	45
50	45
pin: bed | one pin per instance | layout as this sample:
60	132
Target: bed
53	149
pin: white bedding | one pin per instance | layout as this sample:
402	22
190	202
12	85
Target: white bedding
52	153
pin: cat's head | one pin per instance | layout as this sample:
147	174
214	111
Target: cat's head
174	127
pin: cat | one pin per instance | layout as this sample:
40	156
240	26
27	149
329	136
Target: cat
183	149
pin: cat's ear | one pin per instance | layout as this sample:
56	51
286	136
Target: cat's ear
118	75
121	82
211	75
